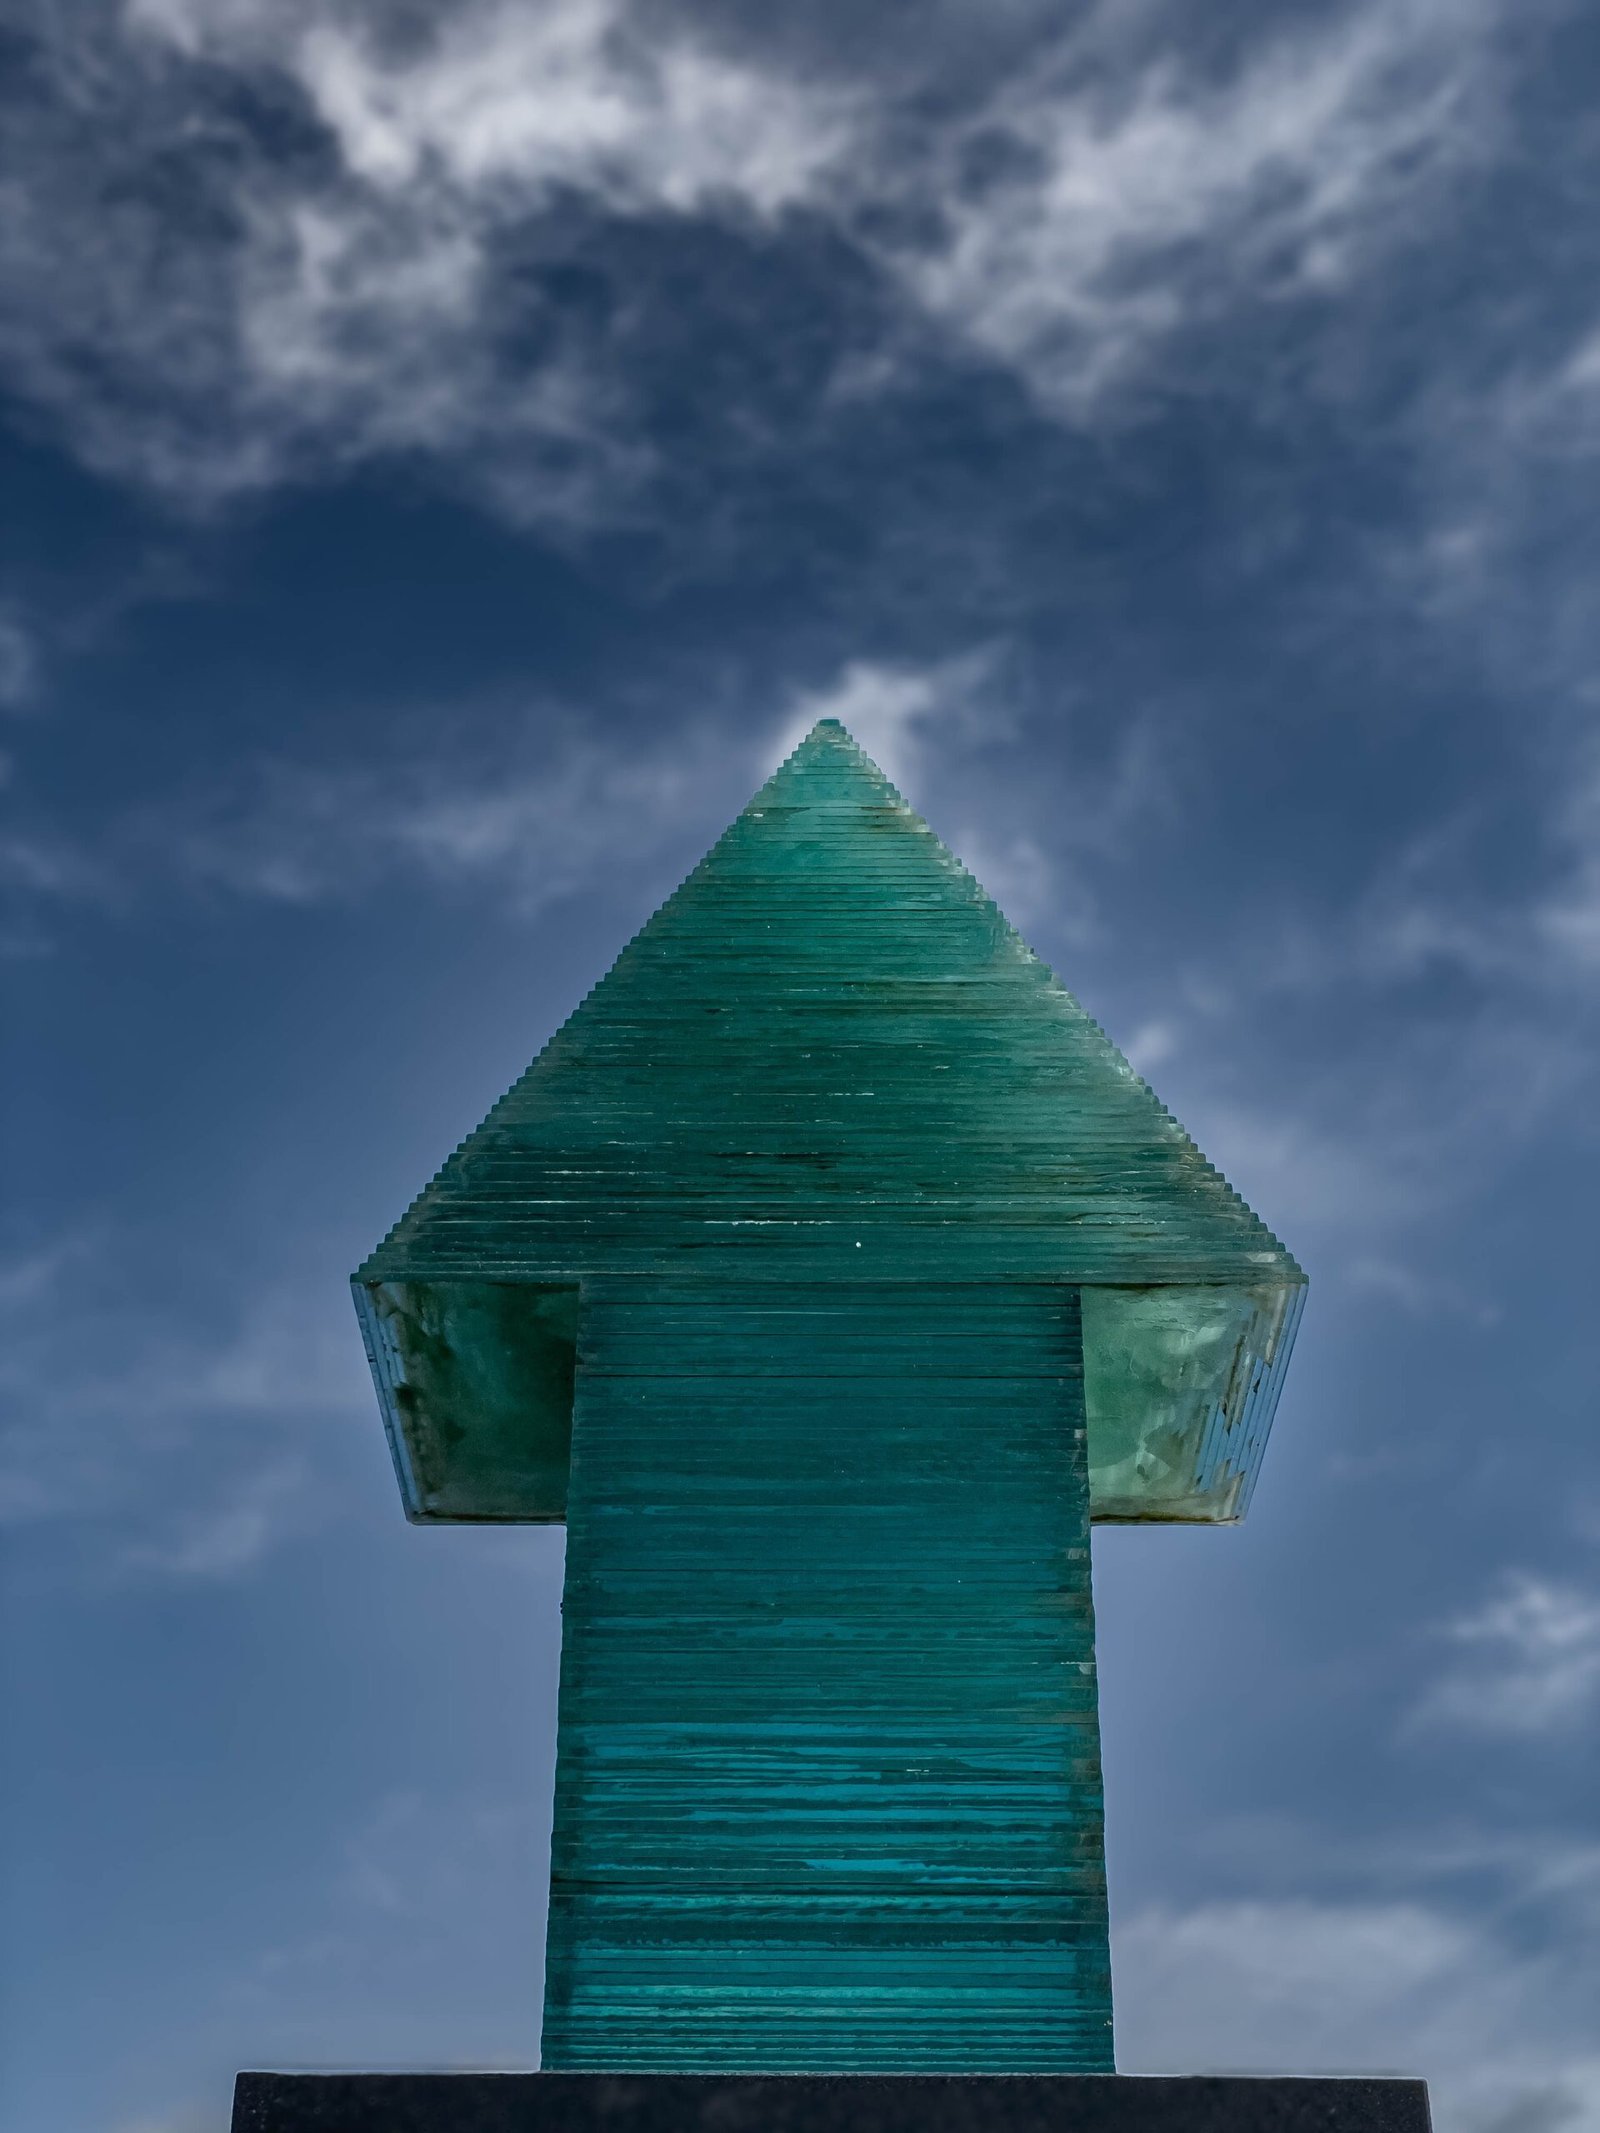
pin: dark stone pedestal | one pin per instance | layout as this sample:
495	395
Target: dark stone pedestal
823	2103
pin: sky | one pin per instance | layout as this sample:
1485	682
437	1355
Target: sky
448	454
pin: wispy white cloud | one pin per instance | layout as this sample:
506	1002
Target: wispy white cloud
189	1452
1543	407
295	313
412	1894
1504	2032
1542	1877
1465	1030
36	1276
541	807
533	825
289	311
941	731
1419	1294
1526	1662
1424	912
898	712
1566	917
1313	1164
537	810
229	1536
1363	1153
578	95
1151	1043
1430	904
1136	203
39	863
19	663
581	95
423	1859
1026	881
1501	449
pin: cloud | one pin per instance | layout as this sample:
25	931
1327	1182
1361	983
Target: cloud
1503	2032
524	806
1527	1664
898	712
299	834
1133	204
19	665
525	803
950	734
226	1538
1151	1043
1024	880
415	1891
1431	1023
1435	901
194	1449
55	868
525	810
260	243
1546	405
1566	917
263	244
1321	1164
426	1859
573	95
1387	1125
33	1277
1418	1294
1499	444
1428	912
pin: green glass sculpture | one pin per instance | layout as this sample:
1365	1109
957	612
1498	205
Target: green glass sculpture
828	1272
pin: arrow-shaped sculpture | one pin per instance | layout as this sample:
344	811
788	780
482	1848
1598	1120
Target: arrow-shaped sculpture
828	1272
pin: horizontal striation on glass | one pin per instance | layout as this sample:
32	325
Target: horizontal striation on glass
828	1794
828	1057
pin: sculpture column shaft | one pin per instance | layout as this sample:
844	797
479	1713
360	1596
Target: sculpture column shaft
828	1789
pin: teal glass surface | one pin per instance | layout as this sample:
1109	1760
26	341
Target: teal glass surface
828	1783
828	1057
828	1272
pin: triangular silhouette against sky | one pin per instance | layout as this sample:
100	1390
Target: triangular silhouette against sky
828	1059
829	1053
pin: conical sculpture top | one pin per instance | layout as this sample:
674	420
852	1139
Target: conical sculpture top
828	1272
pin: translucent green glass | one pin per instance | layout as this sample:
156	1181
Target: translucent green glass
828	1789
827	1272
829	1058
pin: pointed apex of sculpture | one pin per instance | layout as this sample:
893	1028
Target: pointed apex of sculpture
829	747
835	734
827	742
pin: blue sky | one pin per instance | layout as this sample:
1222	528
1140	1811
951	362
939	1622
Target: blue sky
448	455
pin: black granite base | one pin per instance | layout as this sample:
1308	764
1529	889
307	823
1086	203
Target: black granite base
823	2103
